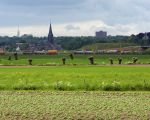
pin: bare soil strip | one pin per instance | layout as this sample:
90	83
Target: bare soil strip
136	65
42	105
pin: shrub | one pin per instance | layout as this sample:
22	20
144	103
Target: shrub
111	61
27	87
59	85
63	61
9	58
120	61
135	59
16	56
30	61
71	56
91	59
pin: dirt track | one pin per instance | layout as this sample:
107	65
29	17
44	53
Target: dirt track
137	65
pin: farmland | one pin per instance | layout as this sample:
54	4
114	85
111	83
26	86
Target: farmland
102	46
74	105
89	78
49	90
54	60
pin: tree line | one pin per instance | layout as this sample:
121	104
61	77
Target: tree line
73	43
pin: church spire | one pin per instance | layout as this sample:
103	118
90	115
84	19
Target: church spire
50	29
50	35
18	32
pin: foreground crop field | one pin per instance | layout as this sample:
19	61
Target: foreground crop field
74	105
49	60
104	78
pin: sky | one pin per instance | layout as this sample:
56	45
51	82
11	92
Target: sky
74	17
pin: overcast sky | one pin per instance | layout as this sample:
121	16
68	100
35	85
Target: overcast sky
74	17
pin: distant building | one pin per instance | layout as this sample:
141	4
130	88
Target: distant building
46	45
50	44
18	32
101	34
50	36
25	36
2	51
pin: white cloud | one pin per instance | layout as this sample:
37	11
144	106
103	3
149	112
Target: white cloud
115	16
72	27
87	28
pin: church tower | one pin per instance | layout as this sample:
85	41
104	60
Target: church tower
50	35
18	32
50	43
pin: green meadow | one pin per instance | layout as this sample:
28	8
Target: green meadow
89	78
54	60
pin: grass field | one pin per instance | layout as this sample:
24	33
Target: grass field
104	78
74	105
78	59
103	46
